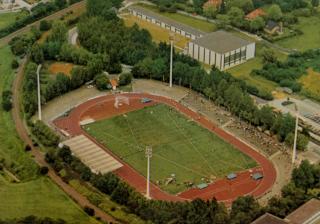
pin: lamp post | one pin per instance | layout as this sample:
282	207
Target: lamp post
294	153
148	155
171	38
39	94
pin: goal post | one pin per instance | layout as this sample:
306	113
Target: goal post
120	100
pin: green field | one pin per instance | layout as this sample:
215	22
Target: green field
7	19
310	38
180	146
34	195
188	20
39	197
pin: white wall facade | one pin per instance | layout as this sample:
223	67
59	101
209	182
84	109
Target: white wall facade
221	61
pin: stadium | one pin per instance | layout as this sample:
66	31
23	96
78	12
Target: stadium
191	156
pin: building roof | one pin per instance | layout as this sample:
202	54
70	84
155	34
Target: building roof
166	20
269	219
271	25
221	42
255	13
215	3
306	213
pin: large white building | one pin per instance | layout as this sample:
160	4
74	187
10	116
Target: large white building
221	49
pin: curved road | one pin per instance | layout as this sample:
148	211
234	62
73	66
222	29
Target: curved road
39	156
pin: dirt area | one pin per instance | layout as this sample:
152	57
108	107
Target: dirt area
279	95
61	67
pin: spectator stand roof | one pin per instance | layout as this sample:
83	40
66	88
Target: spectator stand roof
231	176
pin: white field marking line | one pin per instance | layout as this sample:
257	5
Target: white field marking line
135	138
181	132
181	166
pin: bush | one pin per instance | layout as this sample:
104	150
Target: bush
125	79
45	25
89	211
7	100
45	135
44	170
102	82
27	148
14	64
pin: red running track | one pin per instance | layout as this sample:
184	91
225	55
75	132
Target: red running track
223	189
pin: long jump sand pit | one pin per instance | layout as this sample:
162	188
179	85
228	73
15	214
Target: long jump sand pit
222	189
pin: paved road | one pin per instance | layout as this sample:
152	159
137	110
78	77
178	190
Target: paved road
54	16
38	156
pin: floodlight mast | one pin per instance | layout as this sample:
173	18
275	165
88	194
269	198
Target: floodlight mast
148	155
171	38
294	153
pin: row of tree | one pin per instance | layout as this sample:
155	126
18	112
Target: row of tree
33	220
305	185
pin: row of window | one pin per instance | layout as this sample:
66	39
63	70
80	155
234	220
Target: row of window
234	58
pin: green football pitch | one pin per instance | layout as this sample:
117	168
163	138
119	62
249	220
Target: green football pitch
180	146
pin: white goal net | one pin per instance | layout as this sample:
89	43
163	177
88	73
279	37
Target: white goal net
120	100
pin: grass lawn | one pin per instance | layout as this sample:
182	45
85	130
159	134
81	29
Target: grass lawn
11	148
7	19
188	20
244	70
158	33
309	39
34	195
311	84
38	197
180	146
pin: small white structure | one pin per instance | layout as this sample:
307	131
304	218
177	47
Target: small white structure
221	49
165	22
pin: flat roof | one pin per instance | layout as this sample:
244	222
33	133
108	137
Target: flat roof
168	21
309	211
221	42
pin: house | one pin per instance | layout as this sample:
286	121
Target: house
273	28
255	13
215	3
221	49
308	213
165	22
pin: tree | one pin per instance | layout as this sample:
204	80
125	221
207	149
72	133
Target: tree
269	55
236	16
7	100
257	24
274	12
224	21
245	5
89	211
14	64
244	210
37	54
210	11
102	82
45	25
125	79
60	3
44	170
306	175
302	141
315	3
59	32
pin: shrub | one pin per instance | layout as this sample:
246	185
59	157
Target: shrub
44	170
27	148
89	211
125	79
14	64
45	25
102	82
7	100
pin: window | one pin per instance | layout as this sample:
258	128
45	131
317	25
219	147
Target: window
188	35
168	26
243	55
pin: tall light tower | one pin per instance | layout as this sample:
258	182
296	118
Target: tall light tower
294	153
148	155
39	94
171	38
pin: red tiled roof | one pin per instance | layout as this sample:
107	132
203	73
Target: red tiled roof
114	82
215	3
255	13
